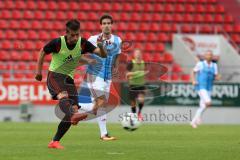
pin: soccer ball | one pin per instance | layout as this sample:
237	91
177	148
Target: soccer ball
130	121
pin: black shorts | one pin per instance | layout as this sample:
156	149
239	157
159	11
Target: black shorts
57	82
134	91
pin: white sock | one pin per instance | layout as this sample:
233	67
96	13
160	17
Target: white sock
86	106
102	121
199	111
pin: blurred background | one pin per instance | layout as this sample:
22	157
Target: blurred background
173	34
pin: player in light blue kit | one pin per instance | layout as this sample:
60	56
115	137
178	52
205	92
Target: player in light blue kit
99	75
204	74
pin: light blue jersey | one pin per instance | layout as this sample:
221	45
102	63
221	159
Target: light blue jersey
103	68
205	75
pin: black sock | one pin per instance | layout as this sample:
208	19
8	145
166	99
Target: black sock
133	109
140	106
63	127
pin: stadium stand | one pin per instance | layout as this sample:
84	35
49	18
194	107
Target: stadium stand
27	25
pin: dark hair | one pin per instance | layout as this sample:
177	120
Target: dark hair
73	25
106	16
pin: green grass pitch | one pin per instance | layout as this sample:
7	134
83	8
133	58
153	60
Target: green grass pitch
28	141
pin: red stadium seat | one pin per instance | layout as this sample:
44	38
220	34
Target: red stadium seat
198	18
133	27
20	5
154	27
130	36
63	5
4	55
163	37
10	34
43	35
124	16
168	58
28	15
220	9
176	68
147	57
20	66
32	35
156	17
159	47
39	15
30	76
116	6
228	28
93	16
25	24
54	34
218	18
152	37
74	6
52	5
6	75
18	45
236	38
15	56
228	19
178	18
185	78
9	5
158	7
21	34
121	26
208	18
32	66
82	16
206	29
149	47
200	8
95	7
147	7
141	37
157	57
167	18
4	24
19	76
127	7
36	25
29	45
39	45
106	6
47	25
6	44
50	15
189	8
236	28
134	17
26	56
60	15
5	14
179	8
71	15
2	35
84	6
31	5
174	77
14	24
42	5
16	14
137	7
210	9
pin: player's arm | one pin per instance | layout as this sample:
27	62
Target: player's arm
40	61
52	46
100	50
217	75
86	60
195	71
96	48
